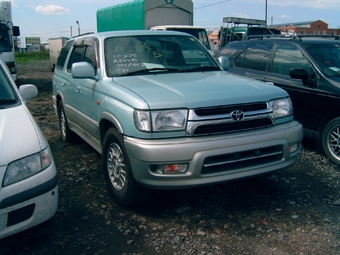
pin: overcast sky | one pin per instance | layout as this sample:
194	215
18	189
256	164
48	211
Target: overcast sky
49	19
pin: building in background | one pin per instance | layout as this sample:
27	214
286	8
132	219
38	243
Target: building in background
317	27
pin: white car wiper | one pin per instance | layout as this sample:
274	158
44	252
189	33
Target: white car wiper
7	101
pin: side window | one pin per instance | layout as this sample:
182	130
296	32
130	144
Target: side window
76	56
255	57
63	54
90	57
202	37
288	57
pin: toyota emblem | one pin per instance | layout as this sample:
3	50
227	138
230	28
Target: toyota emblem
237	115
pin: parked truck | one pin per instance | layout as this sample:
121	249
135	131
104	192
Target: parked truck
55	45
235	29
176	15
7	36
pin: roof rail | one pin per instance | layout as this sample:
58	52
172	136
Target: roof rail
293	37
88	33
266	36
299	37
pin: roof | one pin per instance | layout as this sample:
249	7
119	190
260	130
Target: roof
174	26
132	33
296	24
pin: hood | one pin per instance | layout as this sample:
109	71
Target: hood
18	134
198	89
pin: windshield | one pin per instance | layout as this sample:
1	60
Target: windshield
7	94
149	54
5	41
327	57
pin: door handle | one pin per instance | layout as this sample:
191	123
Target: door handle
77	89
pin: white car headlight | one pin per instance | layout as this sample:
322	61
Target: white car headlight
281	107
26	167
158	121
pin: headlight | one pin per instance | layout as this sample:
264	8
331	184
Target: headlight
157	121
281	107
26	167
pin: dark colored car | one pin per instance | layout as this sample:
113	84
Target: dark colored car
308	68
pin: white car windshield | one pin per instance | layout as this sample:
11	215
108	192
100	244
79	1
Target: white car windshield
149	54
7	94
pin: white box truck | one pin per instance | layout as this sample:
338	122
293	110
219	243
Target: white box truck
174	15
55	45
7	34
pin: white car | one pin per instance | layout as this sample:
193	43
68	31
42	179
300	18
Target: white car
28	177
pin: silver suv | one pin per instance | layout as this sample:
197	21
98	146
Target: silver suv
164	114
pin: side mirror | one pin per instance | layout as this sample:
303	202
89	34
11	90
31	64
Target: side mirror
299	74
28	91
224	62
16	31
82	70
304	76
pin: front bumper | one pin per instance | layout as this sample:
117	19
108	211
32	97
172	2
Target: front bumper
29	202
214	159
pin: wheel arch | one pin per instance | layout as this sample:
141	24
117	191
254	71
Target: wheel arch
108	121
59	98
328	117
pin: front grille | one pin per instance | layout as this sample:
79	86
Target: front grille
228	109
20	215
221	119
233	126
244	159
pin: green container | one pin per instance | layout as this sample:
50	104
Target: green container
144	14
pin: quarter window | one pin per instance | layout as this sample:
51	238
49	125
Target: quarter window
63	54
255	57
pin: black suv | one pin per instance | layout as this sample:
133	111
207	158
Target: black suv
308	68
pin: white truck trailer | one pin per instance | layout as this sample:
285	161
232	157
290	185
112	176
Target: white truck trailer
7	34
55	45
151	14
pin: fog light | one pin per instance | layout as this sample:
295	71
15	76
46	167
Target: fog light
175	168
293	148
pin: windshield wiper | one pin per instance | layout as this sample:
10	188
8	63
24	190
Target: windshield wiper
150	71
7	101
201	68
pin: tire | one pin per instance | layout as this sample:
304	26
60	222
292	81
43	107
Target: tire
117	171
66	133
331	140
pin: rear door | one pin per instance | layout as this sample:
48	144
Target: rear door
63	82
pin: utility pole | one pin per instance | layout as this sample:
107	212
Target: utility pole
78	27
71	31
266	13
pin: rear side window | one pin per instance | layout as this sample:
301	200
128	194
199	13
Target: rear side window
255	57
63	54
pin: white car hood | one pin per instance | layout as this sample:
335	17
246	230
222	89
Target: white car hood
18	134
